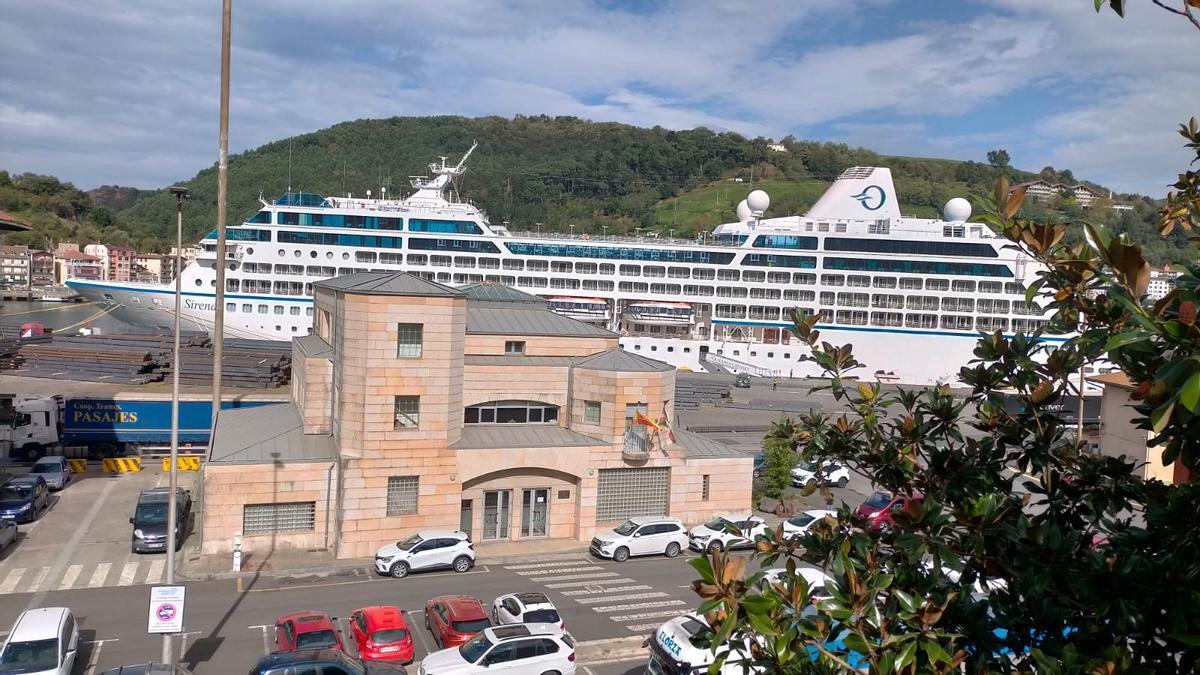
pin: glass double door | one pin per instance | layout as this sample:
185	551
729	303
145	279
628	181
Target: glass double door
497	513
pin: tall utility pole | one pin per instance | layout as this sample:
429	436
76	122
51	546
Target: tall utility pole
222	207
172	534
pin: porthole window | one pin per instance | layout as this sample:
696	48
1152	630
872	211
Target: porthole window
199	282
249	251
233	267
329	255
670	349
770	355
296	253
653	348
345	256
212	282
637	348
312	254
282	253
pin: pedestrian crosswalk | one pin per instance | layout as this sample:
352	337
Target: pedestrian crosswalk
640	607
14	579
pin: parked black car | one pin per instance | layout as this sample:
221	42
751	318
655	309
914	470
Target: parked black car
148	669
324	661
149	519
25	498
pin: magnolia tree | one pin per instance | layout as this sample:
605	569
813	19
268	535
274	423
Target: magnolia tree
1024	552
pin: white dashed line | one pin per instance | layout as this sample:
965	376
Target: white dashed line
639	605
156	570
561	570
69	578
11	581
590	582
607	589
645	615
589	575
127	574
615	598
99	575
644	627
531	566
37	581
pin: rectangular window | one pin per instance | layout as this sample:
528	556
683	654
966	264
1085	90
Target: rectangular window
591	412
402	495
408	340
629	493
408	412
514	347
279	518
704	488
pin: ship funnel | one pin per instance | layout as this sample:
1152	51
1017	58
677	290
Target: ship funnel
860	193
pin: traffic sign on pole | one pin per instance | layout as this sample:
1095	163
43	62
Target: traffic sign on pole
166	609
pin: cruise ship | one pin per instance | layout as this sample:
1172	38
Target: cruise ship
911	294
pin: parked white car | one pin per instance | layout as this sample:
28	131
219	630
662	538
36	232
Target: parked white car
42	642
715	535
812	576
832	473
801	522
525	608
428	550
516	649
675	648
641	536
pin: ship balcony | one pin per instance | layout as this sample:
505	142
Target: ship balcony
233	252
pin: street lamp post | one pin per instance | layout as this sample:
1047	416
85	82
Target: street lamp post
181	194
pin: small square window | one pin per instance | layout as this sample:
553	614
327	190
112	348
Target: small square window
408	340
564	494
591	412
514	347
402	494
408	412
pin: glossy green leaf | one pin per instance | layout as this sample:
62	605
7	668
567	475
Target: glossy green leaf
1189	394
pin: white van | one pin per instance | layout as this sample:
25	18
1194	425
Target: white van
42	642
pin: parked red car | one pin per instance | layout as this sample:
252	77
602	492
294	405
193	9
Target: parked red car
880	508
381	634
454	619
306	630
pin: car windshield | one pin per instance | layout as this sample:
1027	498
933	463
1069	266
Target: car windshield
11	492
29	657
807	466
626	528
542	616
695	630
45	467
153	513
316	639
473	649
801	520
390	635
878	500
407	544
718	524
472	626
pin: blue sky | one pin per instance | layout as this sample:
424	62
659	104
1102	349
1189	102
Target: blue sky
108	91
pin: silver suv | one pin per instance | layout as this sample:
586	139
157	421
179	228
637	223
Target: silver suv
641	536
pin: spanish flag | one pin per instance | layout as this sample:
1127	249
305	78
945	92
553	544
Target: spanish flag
641	418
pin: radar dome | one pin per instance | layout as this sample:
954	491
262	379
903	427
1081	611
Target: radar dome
758	201
743	211
957	210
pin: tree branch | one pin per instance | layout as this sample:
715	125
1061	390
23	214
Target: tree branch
1185	12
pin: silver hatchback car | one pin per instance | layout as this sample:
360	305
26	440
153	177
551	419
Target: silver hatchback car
55	470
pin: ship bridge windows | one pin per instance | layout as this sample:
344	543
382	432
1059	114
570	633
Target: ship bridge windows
833	280
513	265
937	284
537	265
911	283
417	259
439	260
927	303
763	260
464	261
853	299
585	268
262	218
475	245
962	286
991	287
561	266
332	239
365	257
391	258
911	248
306	219
443	226
917	267
729	312
891	319
731	292
704	274
958	305
728	275
804	279
766	293
793	295
886	301
242	234
631	270
320	271
754	276
619	253
920	321
786	241
857	281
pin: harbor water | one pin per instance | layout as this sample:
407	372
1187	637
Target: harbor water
61	317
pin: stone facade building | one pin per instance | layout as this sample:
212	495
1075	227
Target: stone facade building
416	405
1120	438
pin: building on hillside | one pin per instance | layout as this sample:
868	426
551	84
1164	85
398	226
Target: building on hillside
1039	189
1085	195
1120	438
777	147
72	264
1162	281
100	251
417	405
151	268
120	262
14	267
188	254
66	246
41	269
1042	189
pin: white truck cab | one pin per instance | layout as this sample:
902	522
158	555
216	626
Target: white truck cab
35	424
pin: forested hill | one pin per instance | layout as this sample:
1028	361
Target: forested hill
563	171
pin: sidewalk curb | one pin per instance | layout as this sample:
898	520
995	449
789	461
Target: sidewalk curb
610	650
361	567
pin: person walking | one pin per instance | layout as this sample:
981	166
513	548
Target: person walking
775	383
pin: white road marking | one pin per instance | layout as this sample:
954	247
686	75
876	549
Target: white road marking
266	643
94	657
614	598
644	627
72	544
610	589
589	575
36	584
156	569
645	615
99	575
590	582
419	632
183	639
11	581
561	570
561	563
639	605
69	578
127	574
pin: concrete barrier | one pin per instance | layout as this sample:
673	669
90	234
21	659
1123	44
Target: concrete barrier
77	465
121	465
182	463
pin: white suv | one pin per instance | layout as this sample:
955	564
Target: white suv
641	536
832	473
522	648
525	608
715	535
42	642
431	549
